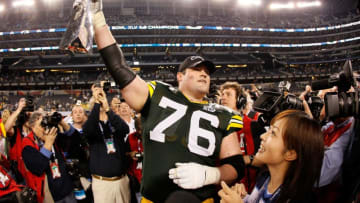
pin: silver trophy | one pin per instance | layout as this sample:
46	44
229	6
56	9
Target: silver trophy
79	26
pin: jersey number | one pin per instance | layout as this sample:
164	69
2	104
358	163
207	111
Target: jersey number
157	134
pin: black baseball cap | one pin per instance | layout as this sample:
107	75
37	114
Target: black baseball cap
195	61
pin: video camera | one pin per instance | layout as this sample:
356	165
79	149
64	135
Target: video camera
315	104
271	103
341	103
51	120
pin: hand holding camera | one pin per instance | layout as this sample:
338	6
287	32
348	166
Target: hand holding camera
101	96
21	104
49	138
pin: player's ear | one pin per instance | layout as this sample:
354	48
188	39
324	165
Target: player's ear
179	76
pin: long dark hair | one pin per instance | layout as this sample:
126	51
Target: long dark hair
303	135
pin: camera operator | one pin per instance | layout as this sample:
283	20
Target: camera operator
337	135
340	107
45	163
232	96
17	127
105	132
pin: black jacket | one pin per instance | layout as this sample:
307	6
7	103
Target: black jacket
101	163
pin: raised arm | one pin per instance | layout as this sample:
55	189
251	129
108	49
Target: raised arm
12	119
133	88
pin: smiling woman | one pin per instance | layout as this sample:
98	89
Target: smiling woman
292	150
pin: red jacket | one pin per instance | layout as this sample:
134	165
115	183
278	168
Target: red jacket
247	148
135	145
33	181
15	152
7	184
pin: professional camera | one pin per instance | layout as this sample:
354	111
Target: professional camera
29	104
73	169
52	120
24	115
315	105
271	103
341	103
106	85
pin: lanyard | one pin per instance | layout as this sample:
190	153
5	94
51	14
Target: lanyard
102	130
53	157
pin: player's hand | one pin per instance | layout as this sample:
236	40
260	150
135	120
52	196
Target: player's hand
231	195
193	175
98	18
96	6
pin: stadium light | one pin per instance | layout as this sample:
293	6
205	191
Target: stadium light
308	4
23	3
277	6
248	3
2	7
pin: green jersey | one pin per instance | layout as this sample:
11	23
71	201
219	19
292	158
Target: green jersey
178	130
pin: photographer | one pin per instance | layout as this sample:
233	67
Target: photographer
339	135
9	189
76	150
135	153
45	163
17	127
105	132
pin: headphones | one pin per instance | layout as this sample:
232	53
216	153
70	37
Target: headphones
241	101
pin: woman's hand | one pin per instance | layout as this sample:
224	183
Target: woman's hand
234	194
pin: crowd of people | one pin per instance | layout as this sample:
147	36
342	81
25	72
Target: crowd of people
106	154
157	143
157	16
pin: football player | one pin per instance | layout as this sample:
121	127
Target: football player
183	135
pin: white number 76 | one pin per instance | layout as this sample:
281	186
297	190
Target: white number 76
157	134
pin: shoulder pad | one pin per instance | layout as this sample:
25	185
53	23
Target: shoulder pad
168	86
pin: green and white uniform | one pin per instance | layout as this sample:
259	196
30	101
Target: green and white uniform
178	130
